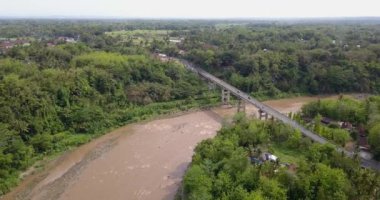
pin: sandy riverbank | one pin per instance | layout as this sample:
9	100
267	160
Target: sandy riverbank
137	161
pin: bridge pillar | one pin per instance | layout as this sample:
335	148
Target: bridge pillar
211	85
225	96
263	114
241	106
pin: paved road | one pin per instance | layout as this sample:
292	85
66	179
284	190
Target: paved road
279	116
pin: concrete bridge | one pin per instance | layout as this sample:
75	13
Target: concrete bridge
265	110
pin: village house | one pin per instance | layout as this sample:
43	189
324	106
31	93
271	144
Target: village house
175	40
8	44
326	120
66	39
362	139
161	56
268	157
182	52
346	125
50	44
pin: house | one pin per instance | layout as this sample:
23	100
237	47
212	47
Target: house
268	157
70	40
182	52
66	39
272	158
175	40
5	45
307	119
362	139
259	158
50	44
326	120
162	57
346	125
363	143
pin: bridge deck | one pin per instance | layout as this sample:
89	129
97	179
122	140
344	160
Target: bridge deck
279	116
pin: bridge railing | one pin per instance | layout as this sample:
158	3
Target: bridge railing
276	114
285	119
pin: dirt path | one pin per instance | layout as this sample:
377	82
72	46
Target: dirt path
137	161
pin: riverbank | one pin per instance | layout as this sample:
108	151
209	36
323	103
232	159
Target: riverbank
138	161
133	150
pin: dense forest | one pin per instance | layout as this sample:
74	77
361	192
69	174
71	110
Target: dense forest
54	98
228	167
273	60
64	82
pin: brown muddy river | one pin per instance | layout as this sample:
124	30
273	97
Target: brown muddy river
137	161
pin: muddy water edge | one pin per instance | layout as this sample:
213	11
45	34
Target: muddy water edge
138	161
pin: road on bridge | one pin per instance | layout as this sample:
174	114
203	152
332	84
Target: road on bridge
267	109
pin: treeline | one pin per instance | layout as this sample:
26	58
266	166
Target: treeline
342	109
361	113
221	167
275	59
58	97
42	28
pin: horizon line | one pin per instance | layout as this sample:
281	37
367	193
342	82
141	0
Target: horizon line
190	18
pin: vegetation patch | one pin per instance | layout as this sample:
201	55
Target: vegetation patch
235	165
62	100
347	119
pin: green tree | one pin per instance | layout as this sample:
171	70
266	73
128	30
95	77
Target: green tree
374	140
328	183
272	190
197	184
294	140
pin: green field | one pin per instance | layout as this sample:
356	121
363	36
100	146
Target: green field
286	154
138	36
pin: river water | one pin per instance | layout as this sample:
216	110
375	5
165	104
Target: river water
137	161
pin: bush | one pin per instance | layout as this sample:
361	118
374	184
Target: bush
42	142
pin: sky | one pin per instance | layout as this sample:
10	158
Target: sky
190	8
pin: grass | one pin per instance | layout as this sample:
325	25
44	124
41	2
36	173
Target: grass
286	154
